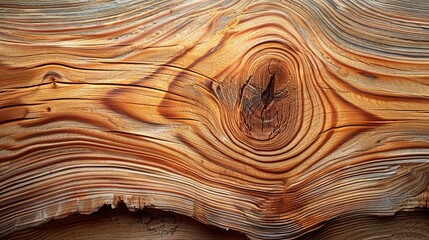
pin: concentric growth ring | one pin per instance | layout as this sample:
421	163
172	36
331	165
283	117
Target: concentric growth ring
276	104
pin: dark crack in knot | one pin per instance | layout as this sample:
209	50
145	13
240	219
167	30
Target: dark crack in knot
267	96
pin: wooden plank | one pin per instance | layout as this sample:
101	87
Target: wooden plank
266	117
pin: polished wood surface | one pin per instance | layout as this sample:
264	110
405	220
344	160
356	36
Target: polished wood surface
265	117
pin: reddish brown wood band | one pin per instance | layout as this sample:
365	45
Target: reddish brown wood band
265	117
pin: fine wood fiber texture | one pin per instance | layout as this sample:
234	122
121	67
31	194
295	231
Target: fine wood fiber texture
121	224
265	117
154	224
403	226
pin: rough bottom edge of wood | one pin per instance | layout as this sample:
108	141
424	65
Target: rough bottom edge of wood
120	223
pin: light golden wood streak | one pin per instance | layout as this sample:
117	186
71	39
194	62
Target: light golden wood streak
266	117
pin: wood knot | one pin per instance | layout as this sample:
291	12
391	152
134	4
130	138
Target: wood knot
264	100
52	77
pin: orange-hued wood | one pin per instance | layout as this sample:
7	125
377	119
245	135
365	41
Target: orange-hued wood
265	117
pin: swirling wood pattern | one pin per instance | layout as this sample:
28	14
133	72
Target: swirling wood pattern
266	117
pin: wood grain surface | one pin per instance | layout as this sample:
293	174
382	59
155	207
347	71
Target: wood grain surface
265	117
403	226
119	223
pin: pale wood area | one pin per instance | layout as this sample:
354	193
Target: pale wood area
265	117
